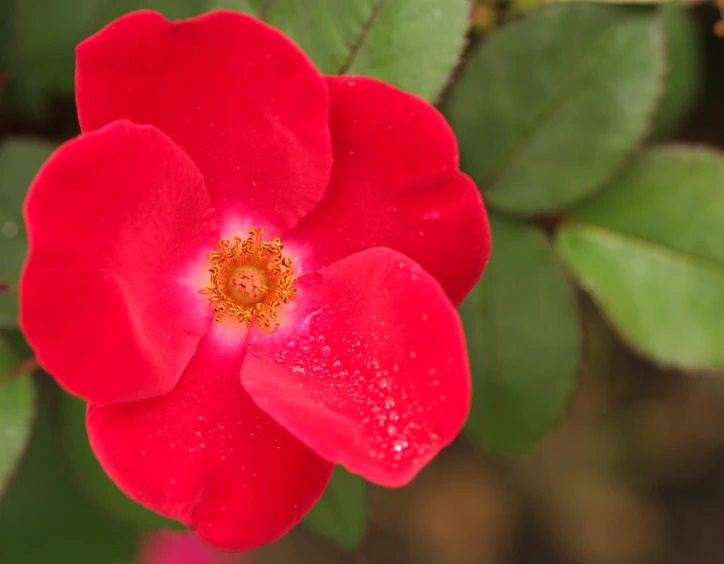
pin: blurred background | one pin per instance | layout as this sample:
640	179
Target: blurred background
590	442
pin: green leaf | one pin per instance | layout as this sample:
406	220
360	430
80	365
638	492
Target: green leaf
341	514
92	478
683	74
650	251
521	323
17	409
172	9
253	7
619	1
20	91
20	160
548	109
48	31
412	44
43	516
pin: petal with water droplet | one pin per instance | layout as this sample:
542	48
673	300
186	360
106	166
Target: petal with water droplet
375	409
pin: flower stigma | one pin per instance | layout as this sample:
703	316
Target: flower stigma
250	280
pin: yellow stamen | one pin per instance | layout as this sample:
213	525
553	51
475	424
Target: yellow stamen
250	280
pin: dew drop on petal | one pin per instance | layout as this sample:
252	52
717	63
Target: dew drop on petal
399	444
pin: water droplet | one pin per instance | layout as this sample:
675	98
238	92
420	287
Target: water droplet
389	402
303	327
336	364
291	344
391	430
399	444
326	351
298	369
321	338
413	354
9	229
383	383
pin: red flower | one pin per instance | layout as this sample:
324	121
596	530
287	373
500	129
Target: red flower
206	144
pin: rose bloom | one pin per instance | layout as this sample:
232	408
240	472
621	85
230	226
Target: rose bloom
250	271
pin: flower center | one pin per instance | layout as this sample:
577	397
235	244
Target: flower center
250	279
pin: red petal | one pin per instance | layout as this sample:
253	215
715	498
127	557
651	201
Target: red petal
206	455
375	376
396	183
238	96
117	221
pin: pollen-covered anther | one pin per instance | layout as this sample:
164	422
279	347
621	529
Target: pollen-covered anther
250	280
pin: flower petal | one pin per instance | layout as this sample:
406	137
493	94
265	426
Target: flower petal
206	455
117	221
375	374
396	183
238	96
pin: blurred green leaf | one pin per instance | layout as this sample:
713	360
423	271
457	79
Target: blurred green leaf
92	478
47	31
618	1
683	71
650	251
20	92
341	514
44	518
550	106
17	409
253	7
521	323
20	160
172	9
413	44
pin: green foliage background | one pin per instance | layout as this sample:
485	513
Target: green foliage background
565	115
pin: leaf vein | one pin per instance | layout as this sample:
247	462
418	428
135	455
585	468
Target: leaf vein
357	45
